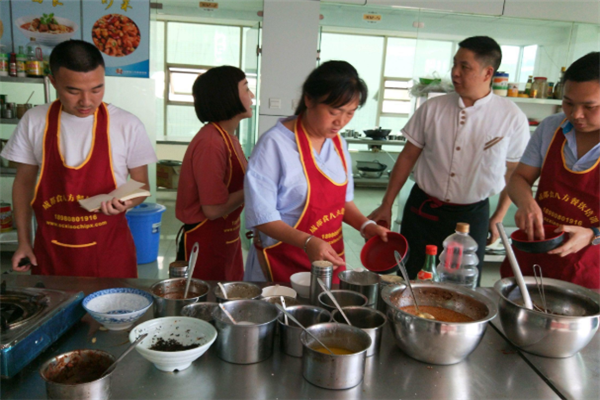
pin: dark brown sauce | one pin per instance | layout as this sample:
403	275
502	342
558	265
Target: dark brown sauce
78	370
440	313
178	295
171	345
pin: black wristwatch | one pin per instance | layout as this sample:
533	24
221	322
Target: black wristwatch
596	238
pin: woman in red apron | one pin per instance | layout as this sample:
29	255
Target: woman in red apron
69	239
331	95
210	193
566	197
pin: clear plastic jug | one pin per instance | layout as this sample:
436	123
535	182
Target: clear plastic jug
458	261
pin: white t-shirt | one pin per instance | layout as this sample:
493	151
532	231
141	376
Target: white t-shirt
465	149
130	144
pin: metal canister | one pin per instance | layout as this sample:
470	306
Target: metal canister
178	269
324	271
6	218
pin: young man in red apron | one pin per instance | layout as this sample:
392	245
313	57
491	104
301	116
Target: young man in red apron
69	240
568	193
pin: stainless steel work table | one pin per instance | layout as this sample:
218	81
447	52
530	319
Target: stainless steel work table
576	377
494	370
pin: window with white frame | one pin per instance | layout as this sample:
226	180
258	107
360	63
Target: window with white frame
395	99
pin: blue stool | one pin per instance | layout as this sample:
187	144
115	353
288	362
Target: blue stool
144	223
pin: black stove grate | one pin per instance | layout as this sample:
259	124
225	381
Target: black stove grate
17	309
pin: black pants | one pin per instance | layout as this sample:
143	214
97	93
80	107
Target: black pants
425	222
180	242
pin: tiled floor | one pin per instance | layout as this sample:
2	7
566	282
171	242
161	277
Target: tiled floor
366	200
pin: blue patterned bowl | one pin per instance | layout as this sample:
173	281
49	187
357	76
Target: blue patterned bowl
118	308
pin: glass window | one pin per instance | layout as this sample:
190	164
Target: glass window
196	44
528	62
365	53
396	97
182	121
399	57
181	81
510	62
433	58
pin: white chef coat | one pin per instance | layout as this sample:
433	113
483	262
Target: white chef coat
129	142
465	149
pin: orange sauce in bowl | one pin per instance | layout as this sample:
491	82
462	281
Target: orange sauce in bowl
440	313
338	351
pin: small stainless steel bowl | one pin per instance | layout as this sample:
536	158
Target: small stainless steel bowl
165	307
432	341
237	291
290	334
289	301
369	320
364	282
82	380
549	335
345	298
335	371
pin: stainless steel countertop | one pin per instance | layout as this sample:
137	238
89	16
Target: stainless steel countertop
494	370
576	377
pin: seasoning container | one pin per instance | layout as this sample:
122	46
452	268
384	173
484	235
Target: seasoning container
558	88
500	83
21	63
324	271
21	110
6	217
3	64
513	90
550	90
12	65
528	85
178	269
34	63
539	88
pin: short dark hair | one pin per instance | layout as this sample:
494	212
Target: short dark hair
487	50
335	83
76	55
216	94
585	69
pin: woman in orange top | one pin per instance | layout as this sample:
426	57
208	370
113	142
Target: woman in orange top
210	196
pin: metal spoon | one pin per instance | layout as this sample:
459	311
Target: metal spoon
405	276
122	356
222	290
322	284
303	328
284	306
515	267
193	258
537	274
227	313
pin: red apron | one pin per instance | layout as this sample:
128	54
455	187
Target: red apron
566	198
322	216
69	239
220	255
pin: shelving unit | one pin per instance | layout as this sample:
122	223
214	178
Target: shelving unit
554	102
9	121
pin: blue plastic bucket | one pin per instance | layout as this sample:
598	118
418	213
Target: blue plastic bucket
144	223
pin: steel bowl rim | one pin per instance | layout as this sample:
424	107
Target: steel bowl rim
490	305
558	283
226	320
382	314
356	330
48	361
244	283
345	291
341	273
203	282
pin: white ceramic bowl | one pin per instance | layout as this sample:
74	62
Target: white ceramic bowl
301	283
50	39
278	290
117	308
185	330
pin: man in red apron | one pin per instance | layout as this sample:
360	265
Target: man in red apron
220	236
322	216
568	148
69	240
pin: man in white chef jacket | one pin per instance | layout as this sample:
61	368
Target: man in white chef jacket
463	146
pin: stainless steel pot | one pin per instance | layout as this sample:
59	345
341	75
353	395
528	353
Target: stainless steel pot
290	334
62	373
364	282
334	371
369	320
432	341
165	307
237	291
246	343
345	298
549	335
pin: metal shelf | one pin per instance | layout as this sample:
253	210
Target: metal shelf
372	182
553	102
21	80
10	172
9	121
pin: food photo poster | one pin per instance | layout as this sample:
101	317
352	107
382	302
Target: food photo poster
120	29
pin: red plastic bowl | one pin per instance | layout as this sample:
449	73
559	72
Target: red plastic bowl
378	256
552	240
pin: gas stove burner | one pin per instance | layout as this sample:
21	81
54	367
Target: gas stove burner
16	309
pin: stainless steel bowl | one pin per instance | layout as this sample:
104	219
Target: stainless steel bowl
290	334
438	342
76	375
237	291
252	339
345	298
364	282
549	335
166	307
335	371
204	311
369	320
289	301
